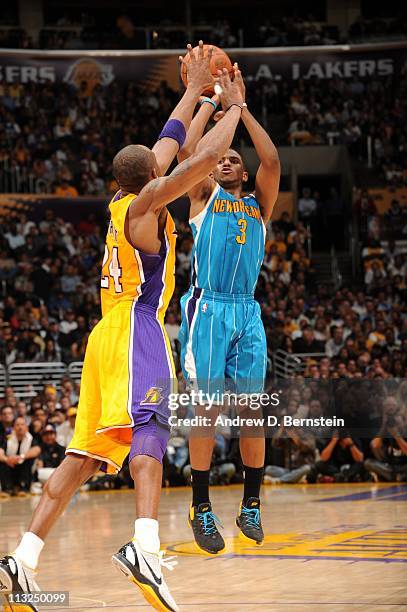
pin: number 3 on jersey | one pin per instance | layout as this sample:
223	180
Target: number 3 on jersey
114	268
241	238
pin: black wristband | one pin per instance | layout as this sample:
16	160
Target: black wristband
235	104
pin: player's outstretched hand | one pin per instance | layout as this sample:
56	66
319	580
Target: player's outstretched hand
230	92
198	68
238	78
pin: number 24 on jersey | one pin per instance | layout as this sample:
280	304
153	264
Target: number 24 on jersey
115	271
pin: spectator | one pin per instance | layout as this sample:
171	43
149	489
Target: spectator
16	459
341	460
52	454
69	323
66	430
6	422
299	456
335	344
306	343
389	446
307	206
65	190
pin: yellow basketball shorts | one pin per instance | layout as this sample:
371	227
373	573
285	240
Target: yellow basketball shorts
127	376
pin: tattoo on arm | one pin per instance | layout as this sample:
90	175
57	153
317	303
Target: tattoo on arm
152	186
180	170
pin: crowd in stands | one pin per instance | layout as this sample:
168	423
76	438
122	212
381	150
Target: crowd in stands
349	112
66	139
50	273
383	256
235	30
58	139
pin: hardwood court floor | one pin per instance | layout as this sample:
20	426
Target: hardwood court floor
329	547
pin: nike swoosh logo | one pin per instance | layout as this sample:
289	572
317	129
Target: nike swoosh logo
158	580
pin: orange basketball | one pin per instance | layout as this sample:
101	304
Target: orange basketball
219	60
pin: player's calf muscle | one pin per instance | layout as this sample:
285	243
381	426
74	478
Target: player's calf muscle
71	474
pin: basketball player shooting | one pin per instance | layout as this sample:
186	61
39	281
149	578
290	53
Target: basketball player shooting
128	369
222	335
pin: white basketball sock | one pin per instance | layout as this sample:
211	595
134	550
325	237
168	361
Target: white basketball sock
29	549
146	534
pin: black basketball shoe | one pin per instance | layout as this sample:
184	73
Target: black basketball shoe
16	579
206	534
249	521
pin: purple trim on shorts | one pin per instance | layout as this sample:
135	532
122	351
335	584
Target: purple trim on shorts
151	371
149	439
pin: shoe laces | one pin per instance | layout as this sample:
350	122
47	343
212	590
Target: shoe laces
208	522
252	516
167	562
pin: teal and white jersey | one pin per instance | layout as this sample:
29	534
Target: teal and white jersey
229	236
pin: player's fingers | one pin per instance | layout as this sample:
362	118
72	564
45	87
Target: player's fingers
225	77
191	52
210	53
219	115
200	50
219	79
238	74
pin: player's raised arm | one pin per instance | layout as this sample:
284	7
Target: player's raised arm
173	134
268	174
197	127
159	192
199	193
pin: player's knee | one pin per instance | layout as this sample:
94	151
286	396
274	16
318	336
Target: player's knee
149	439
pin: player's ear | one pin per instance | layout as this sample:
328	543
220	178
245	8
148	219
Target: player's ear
211	176
154	174
245	176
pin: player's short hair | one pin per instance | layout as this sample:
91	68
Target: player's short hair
132	167
238	153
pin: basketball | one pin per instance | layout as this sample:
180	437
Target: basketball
219	60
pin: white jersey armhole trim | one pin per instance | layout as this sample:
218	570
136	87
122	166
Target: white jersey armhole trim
253	195
201	214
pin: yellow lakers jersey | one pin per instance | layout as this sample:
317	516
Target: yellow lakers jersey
128	273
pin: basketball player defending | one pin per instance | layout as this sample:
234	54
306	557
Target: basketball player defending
128	369
222	335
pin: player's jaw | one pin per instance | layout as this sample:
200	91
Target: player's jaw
228	181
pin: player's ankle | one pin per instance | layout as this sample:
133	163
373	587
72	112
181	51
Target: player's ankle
29	550
200	487
253	478
146	534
